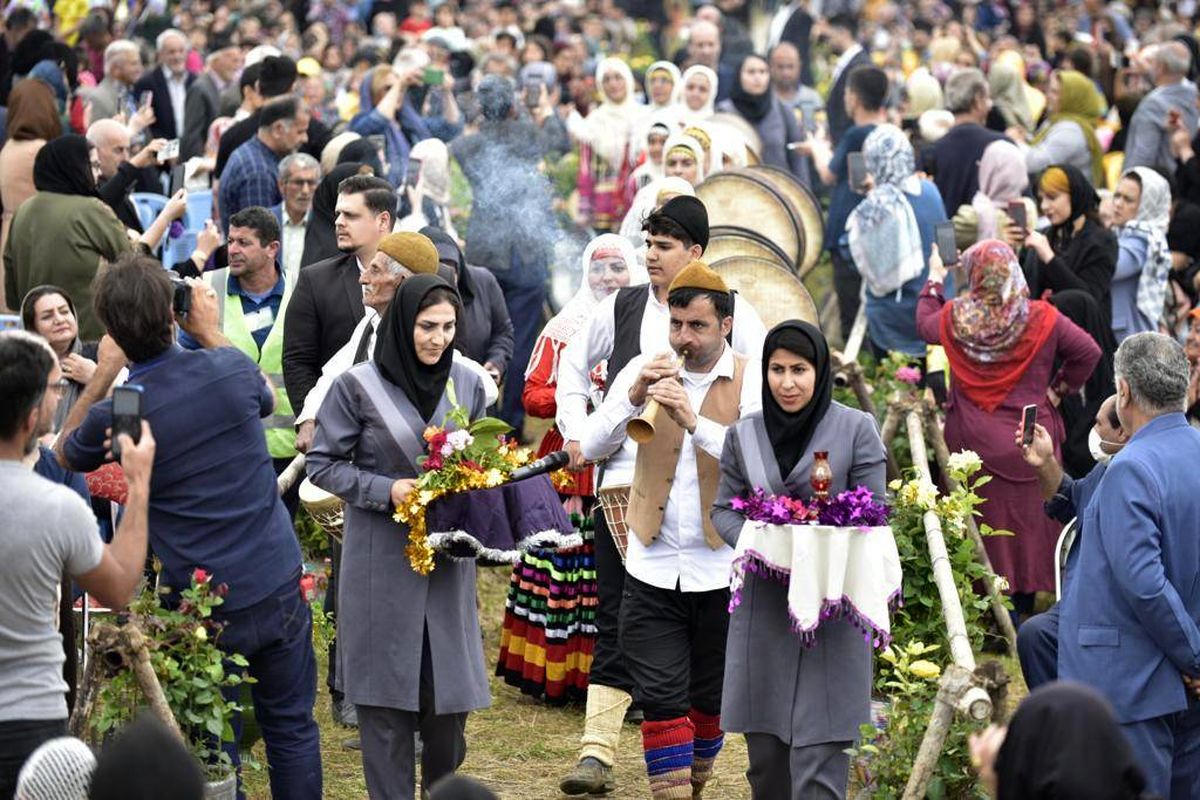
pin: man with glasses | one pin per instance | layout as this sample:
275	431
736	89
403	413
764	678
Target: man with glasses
299	175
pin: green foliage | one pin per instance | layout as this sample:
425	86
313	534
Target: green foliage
192	670
314	542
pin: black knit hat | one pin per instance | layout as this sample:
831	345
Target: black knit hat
690	214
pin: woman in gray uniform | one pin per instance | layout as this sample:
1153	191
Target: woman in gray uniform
409	647
799	708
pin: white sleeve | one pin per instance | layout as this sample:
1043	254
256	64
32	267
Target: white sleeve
338	363
749	332
490	390
585	350
603	431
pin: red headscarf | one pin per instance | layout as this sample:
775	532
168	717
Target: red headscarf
993	333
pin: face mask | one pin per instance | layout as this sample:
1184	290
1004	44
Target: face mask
1094	442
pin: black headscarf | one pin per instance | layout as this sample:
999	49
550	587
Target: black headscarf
361	151
64	167
448	249
320	239
1084	203
1064	743
395	351
1079	410
751	106
790	433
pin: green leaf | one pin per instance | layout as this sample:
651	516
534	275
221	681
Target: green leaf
489	426
216	726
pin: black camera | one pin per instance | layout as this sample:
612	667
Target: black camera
181	300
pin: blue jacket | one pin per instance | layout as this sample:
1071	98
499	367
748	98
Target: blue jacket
1128	624
399	134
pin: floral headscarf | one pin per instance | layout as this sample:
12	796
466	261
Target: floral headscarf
885	241
1153	218
991	317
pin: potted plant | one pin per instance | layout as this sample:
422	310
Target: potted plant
192	671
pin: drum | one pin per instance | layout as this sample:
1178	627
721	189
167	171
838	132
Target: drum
614	502
744	198
775	292
323	507
806	206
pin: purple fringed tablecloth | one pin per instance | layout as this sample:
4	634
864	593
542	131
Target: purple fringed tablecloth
497	525
852	574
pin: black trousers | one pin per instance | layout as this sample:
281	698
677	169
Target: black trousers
847	283
608	663
674	645
18	740
331	590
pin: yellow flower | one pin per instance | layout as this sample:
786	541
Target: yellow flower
200	633
895	485
925	669
494	478
425	497
888	655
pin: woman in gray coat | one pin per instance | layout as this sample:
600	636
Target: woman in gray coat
409	646
799	708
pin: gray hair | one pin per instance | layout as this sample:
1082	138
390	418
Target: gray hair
1156	370
118	48
1172	58
394	267
963	88
161	41
298	161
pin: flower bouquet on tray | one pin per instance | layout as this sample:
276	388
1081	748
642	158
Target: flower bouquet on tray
836	555
477	457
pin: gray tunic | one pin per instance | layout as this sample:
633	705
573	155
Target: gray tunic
772	683
368	436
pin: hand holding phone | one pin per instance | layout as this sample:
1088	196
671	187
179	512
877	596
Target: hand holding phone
433	77
856	169
1016	212
126	416
169	151
946	242
1028	420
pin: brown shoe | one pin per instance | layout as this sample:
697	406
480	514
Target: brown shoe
589	776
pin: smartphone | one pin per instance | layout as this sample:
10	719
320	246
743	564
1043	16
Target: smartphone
1016	212
433	77
1028	418
170	150
145	98
177	173
414	172
856	169
947	246
126	415
533	93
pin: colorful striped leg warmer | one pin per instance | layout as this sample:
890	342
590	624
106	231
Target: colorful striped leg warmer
709	739
668	746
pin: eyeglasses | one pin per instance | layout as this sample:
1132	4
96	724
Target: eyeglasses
301	182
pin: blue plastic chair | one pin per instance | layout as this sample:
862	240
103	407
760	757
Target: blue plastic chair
199	208
149	205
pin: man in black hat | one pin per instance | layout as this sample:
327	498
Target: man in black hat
631	321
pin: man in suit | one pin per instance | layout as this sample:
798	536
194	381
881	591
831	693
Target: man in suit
327	302
203	102
793	24
842	33
122	69
168	83
299	175
1128	625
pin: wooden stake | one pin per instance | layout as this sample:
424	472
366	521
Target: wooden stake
956	682
891	423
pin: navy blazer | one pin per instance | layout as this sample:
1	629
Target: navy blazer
164	116
1128	624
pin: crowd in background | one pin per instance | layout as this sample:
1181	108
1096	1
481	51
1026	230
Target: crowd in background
518	149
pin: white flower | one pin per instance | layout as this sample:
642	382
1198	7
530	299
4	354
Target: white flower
447	449
459	440
966	462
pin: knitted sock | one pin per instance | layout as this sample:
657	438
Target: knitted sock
709	739
668	746
602	729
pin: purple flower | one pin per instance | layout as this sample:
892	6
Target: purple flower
176	230
908	375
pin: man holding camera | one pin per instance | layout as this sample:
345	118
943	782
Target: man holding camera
213	500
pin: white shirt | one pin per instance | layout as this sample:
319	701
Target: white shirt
844	61
177	87
679	556
292	242
779	22
594	344
343	360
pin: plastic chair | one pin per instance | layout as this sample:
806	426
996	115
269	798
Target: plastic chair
1061	549
199	208
148	205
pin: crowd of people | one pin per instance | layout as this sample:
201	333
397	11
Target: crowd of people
305	232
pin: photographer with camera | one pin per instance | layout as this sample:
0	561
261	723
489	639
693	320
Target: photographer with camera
213	498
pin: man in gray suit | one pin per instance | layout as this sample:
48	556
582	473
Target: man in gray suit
122	68
203	103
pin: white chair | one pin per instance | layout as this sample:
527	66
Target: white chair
1061	549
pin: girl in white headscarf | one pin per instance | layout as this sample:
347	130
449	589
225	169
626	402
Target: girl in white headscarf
647	199
429	199
606	145
545	656
699	93
652	144
1141	213
683	157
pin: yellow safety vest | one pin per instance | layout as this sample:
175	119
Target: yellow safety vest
280	426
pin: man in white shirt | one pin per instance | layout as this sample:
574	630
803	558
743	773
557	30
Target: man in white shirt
168	84
629	322
299	175
674	614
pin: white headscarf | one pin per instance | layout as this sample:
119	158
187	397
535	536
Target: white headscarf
645	201
579	309
609	129
683	140
1153	218
434	179
690	116
676	89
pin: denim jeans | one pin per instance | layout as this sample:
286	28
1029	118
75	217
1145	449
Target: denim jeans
18	739
275	636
